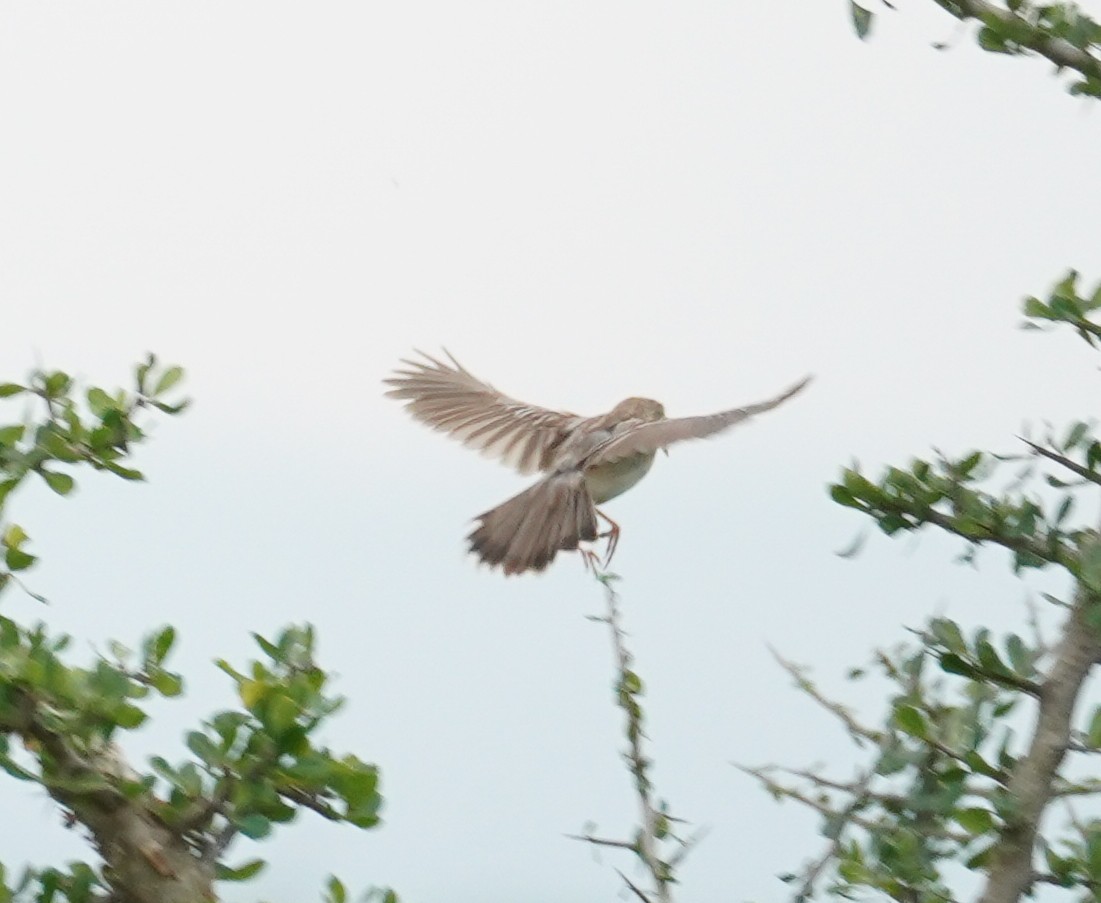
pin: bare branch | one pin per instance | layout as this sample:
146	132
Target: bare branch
604	841
822	807
634	887
856	730
1073	466
688	844
310	801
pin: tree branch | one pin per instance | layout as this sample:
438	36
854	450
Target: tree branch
638	892
1073	466
1059	51
1020	544
856	730
1032	779
637	761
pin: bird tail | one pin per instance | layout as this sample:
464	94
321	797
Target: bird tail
527	531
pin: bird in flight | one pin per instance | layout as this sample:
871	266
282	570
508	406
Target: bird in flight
584	461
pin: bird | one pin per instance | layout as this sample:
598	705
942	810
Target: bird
583	462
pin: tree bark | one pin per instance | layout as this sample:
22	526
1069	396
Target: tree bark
1030	784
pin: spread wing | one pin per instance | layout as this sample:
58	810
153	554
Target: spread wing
650	437
448	398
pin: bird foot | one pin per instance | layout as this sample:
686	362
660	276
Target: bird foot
611	534
591	561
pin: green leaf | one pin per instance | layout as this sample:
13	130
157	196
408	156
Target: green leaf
270	649
954	664
129	716
127	473
168	379
227	724
968	464
335	891
1093	847
142	371
201	745
162	644
99	401
910	720
161	767
1062	868
282	714
189	780
9	389
57	384
254	826
948	633
1064	508
243	872
365	815
14	536
6	487
979	765
1089	551
222	665
1020	656
862	20
172	408
1034	307
975	821
15	770
992	41
1093	738
18	560
990	660
61	483
1067	286
1077	434
1065	308
844	496
252	692
167	683
9	435
980	859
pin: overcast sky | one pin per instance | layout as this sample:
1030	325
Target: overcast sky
699	202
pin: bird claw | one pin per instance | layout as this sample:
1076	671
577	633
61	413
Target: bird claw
591	559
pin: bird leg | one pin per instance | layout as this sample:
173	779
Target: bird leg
612	535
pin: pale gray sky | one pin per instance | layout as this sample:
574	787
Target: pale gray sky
696	201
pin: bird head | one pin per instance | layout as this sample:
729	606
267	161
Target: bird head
645	409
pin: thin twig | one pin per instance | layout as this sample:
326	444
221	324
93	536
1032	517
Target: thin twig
604	841
854	727
634	887
638	763
687	844
1073	466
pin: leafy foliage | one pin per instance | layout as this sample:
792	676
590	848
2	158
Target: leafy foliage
1061	32
951	782
163	833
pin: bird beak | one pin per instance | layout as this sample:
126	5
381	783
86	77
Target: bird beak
666	452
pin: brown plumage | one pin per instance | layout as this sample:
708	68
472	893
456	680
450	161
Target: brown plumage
586	460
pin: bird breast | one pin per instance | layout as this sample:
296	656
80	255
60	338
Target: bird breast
606	481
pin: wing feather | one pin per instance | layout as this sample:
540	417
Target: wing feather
447	397
647	438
